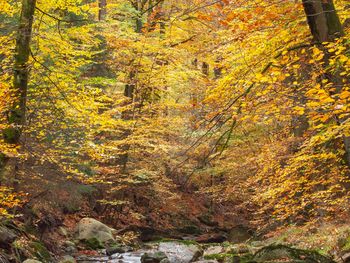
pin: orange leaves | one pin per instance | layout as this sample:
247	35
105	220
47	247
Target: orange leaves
8	201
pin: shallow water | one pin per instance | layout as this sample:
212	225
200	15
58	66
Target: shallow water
129	257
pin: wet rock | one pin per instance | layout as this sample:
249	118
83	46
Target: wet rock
155	257
211	238
94	234
7	236
116	250
178	252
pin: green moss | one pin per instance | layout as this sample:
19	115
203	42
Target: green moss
346	245
86	190
93	243
11	135
219	257
40	251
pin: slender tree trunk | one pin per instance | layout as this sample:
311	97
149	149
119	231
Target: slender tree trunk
325	26
102	10
17	108
17	112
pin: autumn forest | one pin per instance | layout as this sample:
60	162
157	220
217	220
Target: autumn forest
162	131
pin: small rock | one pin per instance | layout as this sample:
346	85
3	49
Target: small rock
7	236
156	257
67	259
115	250
69	247
63	231
213	250
238	249
31	261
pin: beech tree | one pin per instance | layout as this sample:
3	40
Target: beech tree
325	26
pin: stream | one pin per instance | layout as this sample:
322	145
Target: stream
175	251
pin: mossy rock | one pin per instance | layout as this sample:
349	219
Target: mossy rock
219	257
283	253
92	243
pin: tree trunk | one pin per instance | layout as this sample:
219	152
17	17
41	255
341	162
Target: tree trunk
17	112
17	106
323	20
102	10
325	26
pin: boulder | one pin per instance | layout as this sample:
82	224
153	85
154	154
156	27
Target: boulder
155	257
282	253
94	234
31	261
7	236
239	234
178	252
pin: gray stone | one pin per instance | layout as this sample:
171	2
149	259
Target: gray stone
91	229
213	250
67	259
31	261
7	236
238	249
180	253
69	247
115	250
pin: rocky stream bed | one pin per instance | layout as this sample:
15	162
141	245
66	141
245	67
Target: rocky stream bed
95	242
